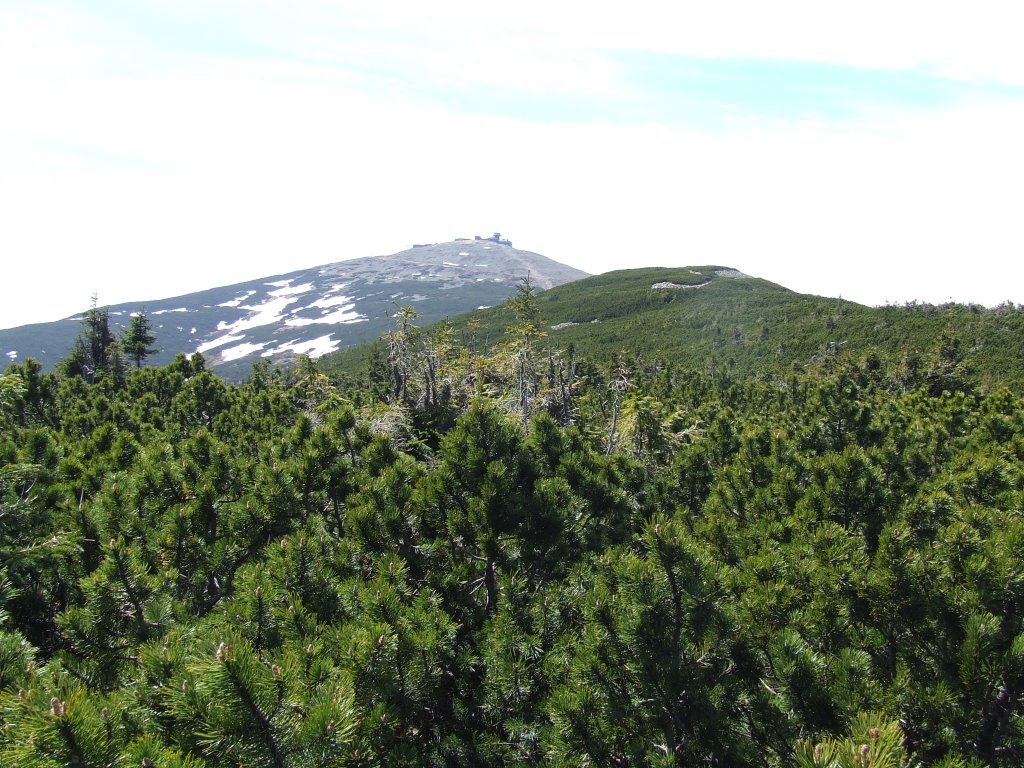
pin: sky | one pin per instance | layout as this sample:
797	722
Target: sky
151	148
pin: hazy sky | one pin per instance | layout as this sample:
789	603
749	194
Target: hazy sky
149	148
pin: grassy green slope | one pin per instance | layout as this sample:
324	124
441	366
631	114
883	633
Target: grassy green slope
712	317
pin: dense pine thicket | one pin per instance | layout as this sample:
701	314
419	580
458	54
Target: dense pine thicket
511	558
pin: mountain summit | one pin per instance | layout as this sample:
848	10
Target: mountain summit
313	311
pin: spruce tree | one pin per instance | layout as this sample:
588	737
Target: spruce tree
96	350
138	339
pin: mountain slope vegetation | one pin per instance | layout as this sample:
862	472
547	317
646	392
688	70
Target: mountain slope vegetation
714	318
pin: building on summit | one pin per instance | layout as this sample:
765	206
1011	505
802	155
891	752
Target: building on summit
495	238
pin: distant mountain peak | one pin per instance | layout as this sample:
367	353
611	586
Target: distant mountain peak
314	311
461	261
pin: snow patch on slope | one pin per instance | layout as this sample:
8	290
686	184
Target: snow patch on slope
291	290
343	315
333	301
238	300
262	314
229	339
240	351
313	347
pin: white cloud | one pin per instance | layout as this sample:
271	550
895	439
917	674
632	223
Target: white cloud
976	40
189	169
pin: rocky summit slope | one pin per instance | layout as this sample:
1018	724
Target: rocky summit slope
313	311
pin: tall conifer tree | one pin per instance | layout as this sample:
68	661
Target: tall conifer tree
138	339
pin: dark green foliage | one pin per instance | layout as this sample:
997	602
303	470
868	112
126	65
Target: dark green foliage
138	339
516	558
97	353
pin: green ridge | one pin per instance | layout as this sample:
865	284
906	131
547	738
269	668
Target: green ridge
744	324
